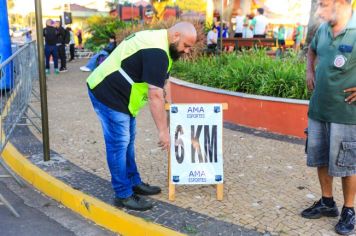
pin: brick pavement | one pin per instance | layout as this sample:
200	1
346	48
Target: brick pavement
266	181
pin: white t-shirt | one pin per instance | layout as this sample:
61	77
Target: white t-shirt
212	37
239	24
71	37
260	23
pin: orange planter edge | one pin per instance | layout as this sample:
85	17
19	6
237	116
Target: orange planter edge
276	115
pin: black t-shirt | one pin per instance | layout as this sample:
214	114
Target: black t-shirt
146	65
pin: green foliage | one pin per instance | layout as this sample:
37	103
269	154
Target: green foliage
250	72
101	29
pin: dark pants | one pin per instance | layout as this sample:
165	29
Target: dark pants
281	42
51	50
259	36
62	55
238	35
71	50
212	46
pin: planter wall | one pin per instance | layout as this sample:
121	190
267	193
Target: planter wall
277	115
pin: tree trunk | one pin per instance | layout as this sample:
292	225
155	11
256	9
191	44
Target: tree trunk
313	22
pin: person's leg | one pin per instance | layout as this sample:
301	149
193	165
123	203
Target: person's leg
54	52
349	190
326	182
318	156
62	55
116	130
71	49
132	171
91	64
47	54
343	164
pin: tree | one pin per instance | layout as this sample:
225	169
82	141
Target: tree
313	23
10	4
112	4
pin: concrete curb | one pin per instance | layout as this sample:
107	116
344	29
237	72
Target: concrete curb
89	207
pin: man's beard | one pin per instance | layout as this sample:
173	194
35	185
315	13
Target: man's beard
173	52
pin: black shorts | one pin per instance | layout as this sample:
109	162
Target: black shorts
281	42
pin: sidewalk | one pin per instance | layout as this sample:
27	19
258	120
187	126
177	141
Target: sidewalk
267	182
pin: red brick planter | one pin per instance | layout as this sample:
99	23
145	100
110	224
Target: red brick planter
277	115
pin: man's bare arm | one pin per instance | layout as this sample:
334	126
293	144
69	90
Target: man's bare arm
156	103
311	57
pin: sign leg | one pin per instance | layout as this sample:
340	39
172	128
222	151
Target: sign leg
171	186
219	192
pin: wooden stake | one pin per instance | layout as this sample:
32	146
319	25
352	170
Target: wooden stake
219	192
171	186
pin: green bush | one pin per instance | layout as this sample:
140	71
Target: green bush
250	72
101	29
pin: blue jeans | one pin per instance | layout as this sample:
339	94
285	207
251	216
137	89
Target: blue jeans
332	145
92	63
51	50
119	134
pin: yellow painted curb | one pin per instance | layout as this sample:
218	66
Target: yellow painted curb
91	208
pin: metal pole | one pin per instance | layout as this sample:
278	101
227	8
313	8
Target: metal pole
43	86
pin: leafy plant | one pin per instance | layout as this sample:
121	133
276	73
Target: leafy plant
198	48
250	72
101	29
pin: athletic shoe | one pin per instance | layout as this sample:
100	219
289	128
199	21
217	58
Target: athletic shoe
133	202
319	209
84	68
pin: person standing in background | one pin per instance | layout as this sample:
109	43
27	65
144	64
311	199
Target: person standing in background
212	38
282	38
247	32
28	36
298	36
80	38
71	44
61	46
50	35
239	24
259	24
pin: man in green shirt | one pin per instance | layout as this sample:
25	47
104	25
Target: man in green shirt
298	36
332	110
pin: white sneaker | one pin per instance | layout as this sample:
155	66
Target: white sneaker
84	68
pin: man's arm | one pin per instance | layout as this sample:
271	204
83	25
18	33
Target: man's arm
156	103
311	57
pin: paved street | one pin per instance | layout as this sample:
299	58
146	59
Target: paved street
267	183
39	215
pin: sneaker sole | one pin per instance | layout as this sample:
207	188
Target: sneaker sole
120	205
325	214
146	194
349	233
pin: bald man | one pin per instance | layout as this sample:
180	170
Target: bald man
134	73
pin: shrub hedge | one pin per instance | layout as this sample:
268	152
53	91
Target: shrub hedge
251	72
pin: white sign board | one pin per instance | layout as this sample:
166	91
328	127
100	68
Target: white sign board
196	143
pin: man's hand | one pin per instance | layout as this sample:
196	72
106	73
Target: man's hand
310	80
164	140
352	98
